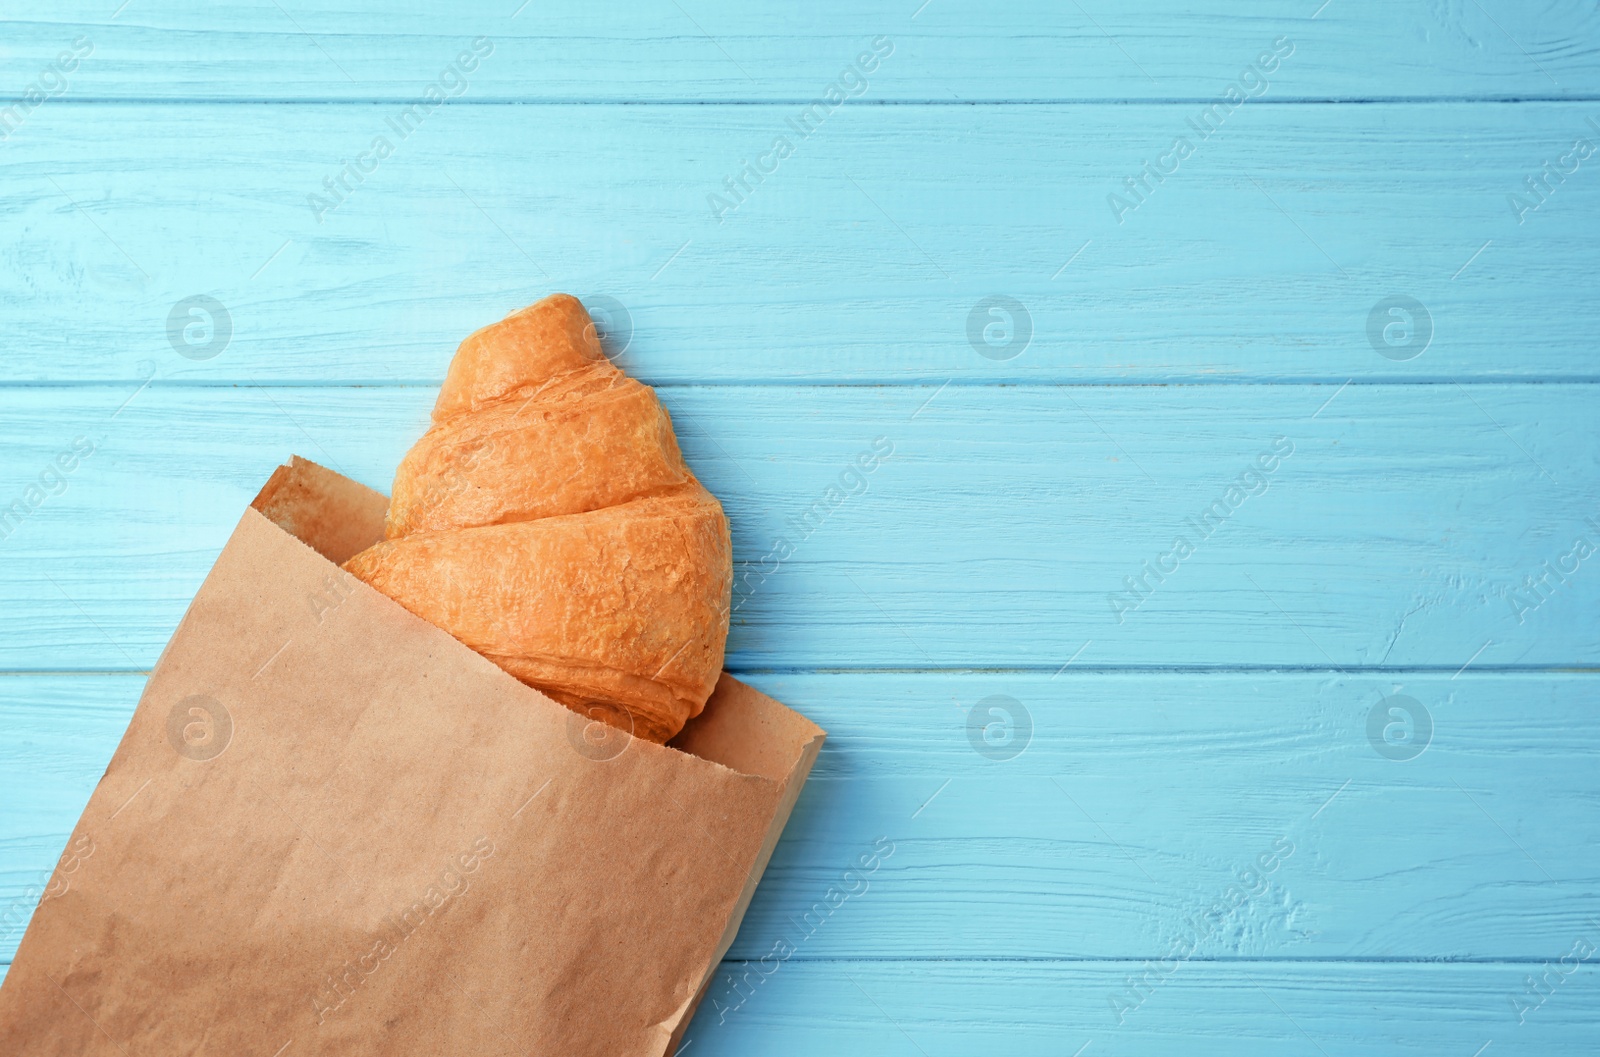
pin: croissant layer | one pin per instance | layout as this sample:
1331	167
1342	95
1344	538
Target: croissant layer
548	521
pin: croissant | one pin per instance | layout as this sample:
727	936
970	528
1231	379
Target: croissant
547	520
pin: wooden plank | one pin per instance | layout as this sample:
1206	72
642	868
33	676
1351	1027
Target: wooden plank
718	49
1246	813
945	1009
1139	801
905	1009
869	255
1403	529
56	739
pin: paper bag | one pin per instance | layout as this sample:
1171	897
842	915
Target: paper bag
333	829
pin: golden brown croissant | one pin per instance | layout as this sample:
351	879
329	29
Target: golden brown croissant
548	521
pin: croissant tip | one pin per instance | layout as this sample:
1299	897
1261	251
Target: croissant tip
549	301
510	510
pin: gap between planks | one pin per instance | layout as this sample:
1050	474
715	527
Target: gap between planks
1030	669
1442	963
776	101
1196	382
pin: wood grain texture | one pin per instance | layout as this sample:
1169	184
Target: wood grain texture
1418	545
1060	1010
863	258
1212	1010
1003	529
1133	811
722	50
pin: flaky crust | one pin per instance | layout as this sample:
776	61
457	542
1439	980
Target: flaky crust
548	521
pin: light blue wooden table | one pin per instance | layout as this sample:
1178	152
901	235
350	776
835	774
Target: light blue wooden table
1212	660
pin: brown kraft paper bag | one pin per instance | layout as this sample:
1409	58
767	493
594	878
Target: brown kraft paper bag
333	829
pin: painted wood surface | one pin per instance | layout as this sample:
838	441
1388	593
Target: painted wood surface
720	50
1008	526
1270	1009
1101	816
867	255
1056	814
946	1009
